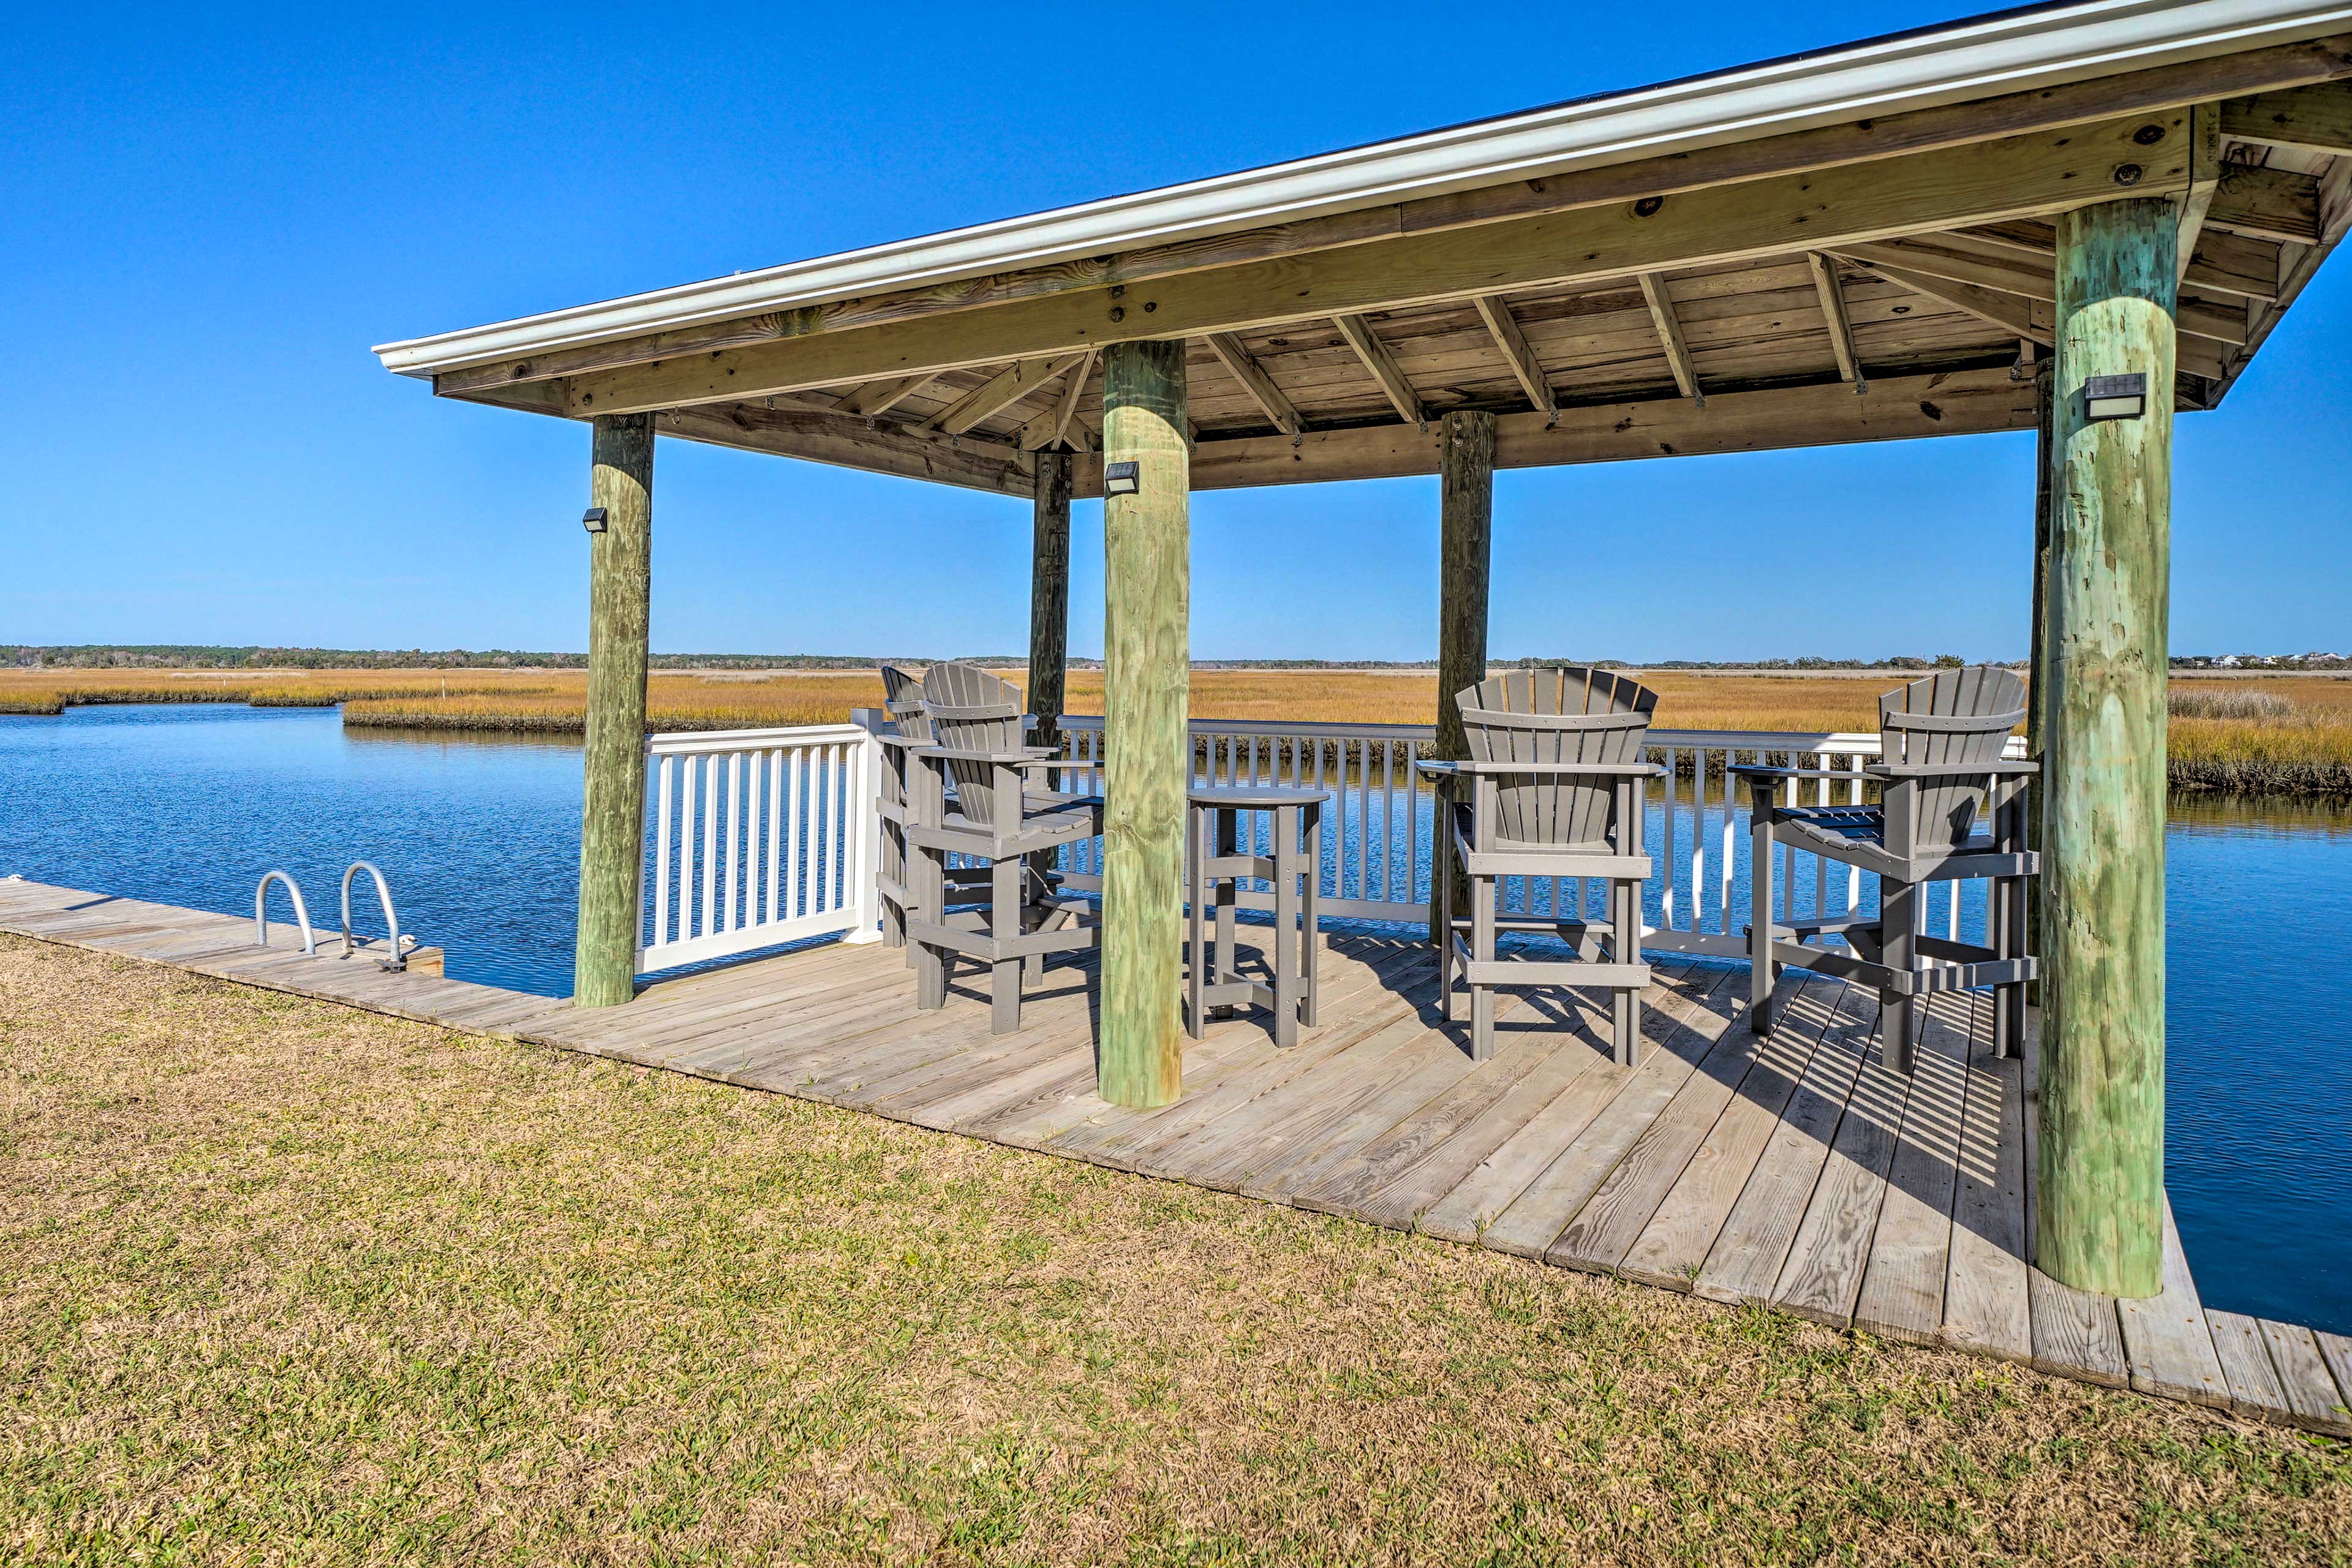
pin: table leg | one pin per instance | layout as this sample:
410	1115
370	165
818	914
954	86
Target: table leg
1286	925
1311	904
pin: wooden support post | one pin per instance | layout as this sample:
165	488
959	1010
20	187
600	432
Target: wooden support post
1049	597
1466	550
2037	663
1147	768
613	795
2101	1186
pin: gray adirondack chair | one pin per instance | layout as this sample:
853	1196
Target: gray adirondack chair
1942	741
970	795
1555	787
911	729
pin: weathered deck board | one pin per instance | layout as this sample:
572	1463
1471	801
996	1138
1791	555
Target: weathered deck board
1794	1169
1988	1297
2313	1399
2167	1342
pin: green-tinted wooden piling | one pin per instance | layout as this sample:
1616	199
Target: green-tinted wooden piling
613	806
1465	553
2101	1186
1049	596
1147	593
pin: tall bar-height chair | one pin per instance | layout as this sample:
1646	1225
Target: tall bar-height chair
970	796
1942	740
1555	787
910	729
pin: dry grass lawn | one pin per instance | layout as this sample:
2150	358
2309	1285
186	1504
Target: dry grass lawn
291	1283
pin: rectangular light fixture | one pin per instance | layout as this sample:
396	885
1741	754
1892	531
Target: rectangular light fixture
1122	479
594	519
2115	396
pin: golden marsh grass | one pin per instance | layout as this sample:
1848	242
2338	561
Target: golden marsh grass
2278	733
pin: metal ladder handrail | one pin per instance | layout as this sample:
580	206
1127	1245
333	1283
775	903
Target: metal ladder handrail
398	962
302	911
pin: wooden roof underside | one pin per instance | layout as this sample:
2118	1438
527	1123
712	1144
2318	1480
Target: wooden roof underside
1862	282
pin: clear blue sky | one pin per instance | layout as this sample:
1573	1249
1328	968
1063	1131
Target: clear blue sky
212	214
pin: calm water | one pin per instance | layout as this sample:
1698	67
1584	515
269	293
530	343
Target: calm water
187	804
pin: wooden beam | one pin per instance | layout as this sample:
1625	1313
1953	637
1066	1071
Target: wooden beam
1147	591
1898	408
2223	263
1670	337
1244	368
2100	1187
2011	312
1049	596
1383	366
2268	203
1966	261
1051	427
1833	316
2204	176
2317	119
2014	177
1861	142
1504	328
874	397
1000	391
613	793
973	462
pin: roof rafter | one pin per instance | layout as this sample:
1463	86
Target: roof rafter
1504	328
1832	293
1670	337
1000	391
1053	427
1244	368
874	397
2012	313
1383	366
1946	257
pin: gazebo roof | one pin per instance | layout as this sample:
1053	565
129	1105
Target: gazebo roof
1850	245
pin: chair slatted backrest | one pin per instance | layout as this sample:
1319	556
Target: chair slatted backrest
972	710
1955	717
1569	714
902	700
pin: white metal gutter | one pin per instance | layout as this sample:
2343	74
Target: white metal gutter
2009	52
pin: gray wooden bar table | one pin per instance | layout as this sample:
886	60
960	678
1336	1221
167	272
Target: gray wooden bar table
1216	865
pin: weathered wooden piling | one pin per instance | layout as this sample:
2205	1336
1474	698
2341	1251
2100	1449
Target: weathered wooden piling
613	793
1146	687
2101	1187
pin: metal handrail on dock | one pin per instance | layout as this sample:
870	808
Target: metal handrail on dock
399	960
302	911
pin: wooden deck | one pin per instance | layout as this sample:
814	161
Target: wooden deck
1796	1172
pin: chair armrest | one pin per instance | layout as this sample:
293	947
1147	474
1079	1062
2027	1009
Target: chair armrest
1432	769
1620	770
1009	759
2004	769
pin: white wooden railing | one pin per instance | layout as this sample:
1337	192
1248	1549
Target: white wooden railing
757	838
761	837
1379	838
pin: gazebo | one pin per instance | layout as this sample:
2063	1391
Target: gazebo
1963	229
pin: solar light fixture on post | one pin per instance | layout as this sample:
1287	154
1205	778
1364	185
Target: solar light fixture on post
2115	396
1122	479
592	519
